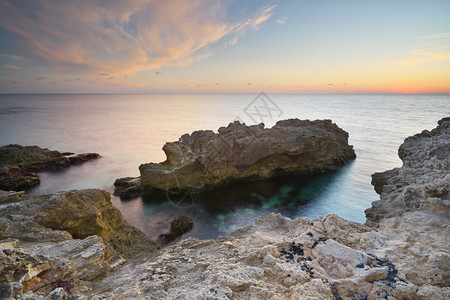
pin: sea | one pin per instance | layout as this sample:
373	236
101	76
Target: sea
131	129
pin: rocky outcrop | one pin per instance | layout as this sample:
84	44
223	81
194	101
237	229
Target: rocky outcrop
422	184
19	164
205	160
401	253
128	187
64	240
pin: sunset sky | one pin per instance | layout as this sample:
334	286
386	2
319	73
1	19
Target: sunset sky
183	46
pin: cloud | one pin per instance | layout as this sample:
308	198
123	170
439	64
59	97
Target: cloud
437	36
240	29
110	78
282	20
14	57
124	36
420	57
158	72
103	74
39	78
13	67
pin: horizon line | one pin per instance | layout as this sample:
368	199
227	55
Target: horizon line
216	93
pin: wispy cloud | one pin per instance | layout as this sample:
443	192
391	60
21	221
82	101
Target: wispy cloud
241	28
14	57
282	20
419	57
40	78
125	36
13	67
437	36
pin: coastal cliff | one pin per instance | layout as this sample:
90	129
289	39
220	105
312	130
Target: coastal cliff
402	252
206	160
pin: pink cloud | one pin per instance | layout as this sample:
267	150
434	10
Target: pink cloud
13	67
126	36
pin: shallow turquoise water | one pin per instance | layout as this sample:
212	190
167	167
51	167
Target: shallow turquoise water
128	130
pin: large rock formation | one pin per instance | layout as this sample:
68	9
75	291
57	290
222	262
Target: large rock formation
19	164
205	160
62	240
401	253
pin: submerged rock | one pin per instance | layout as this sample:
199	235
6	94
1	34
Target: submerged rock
18	164
178	227
206	160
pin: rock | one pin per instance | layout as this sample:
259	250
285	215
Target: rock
64	240
266	260
128	187
401	253
81	158
80	213
206	160
18	164
8	197
178	227
422	184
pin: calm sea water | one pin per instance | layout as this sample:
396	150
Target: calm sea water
128	130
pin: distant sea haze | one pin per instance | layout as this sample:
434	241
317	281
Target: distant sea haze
128	130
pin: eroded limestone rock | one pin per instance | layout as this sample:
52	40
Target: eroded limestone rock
205	160
64	240
401	253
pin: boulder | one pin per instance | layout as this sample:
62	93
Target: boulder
178	227
206	160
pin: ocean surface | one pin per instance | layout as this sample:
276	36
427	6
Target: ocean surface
128	130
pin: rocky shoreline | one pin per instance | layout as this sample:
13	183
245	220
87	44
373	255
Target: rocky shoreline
205	160
402	252
19	164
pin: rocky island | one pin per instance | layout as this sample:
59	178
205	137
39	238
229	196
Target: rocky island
206	160
19	164
402	252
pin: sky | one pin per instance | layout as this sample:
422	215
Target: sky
224	46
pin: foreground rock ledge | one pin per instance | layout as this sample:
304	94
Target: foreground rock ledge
64	240
19	164
206	160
